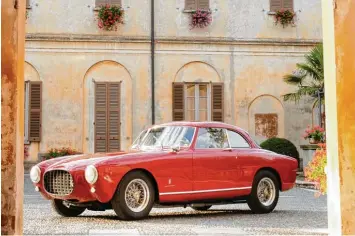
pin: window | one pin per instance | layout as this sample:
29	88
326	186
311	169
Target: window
33	111
276	5
197	4
212	138
99	3
198	101
236	140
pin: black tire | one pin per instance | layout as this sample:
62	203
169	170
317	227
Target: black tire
201	208
118	201
253	201
63	210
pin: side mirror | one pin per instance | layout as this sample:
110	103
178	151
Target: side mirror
175	148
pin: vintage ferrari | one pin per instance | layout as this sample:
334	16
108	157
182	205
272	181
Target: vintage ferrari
195	164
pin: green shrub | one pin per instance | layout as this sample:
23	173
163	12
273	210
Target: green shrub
281	146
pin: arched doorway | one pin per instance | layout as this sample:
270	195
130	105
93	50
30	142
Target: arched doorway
107	108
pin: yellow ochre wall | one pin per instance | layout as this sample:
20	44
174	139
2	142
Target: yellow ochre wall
242	48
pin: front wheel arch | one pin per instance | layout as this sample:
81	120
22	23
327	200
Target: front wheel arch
272	170
150	175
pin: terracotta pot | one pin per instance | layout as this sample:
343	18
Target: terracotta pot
313	141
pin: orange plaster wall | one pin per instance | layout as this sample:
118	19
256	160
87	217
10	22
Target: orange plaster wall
344	14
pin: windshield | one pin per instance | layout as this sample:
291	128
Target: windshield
139	139
164	137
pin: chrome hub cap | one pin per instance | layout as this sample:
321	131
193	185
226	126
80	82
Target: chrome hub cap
266	191
137	195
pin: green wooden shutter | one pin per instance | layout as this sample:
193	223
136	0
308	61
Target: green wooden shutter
178	102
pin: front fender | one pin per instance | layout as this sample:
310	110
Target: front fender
107	182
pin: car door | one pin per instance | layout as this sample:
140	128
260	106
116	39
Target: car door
215	166
247	162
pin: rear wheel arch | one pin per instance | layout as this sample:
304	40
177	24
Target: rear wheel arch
151	177
272	170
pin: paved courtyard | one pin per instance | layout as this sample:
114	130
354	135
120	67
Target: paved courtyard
298	212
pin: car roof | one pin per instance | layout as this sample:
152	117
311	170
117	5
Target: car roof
204	124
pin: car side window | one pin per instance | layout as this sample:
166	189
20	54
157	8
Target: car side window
212	138
236	140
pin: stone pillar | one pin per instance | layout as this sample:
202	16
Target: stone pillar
339	55
12	114
307	154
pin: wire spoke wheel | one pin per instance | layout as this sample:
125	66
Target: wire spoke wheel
137	195
266	191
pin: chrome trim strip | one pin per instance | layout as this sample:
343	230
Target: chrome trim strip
205	191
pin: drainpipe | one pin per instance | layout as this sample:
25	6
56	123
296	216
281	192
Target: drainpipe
152	48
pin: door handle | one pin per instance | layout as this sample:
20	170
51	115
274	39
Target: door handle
227	149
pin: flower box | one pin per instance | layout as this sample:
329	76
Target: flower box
200	18
109	17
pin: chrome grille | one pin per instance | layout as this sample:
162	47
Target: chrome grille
58	182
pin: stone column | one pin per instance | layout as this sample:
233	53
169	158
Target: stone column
12	114
339	54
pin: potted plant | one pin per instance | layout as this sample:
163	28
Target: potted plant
315	170
201	18
285	17
109	16
54	152
315	134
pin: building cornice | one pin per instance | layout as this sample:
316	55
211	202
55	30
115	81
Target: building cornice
170	40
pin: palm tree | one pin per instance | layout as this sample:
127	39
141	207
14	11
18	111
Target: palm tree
309	76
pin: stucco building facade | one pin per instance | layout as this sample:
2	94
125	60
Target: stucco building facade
231	70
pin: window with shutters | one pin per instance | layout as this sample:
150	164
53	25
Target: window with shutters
198	101
33	111
276	5
107	116
191	5
99	3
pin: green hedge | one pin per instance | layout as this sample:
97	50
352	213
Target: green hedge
281	146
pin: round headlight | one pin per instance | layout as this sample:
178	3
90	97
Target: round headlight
35	174
91	174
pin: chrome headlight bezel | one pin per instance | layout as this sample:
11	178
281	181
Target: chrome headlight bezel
91	174
35	174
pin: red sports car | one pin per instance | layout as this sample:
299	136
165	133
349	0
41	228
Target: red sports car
196	164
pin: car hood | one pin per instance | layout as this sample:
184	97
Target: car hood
76	161
80	162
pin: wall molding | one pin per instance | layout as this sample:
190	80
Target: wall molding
173	52
169	40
